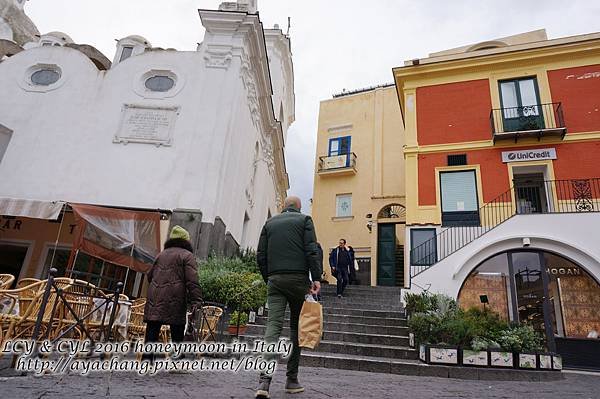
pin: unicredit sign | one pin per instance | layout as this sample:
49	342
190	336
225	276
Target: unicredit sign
529	155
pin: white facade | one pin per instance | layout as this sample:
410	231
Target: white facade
212	142
572	235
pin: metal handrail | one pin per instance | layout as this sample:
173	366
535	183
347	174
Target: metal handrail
530	118
528	197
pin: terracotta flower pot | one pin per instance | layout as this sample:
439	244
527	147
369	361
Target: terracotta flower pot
232	330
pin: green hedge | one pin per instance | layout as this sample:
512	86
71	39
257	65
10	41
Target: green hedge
436	319
223	279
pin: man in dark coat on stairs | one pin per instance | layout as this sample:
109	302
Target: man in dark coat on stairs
286	253
340	261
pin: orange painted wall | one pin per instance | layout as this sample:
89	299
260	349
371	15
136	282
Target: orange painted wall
574	161
454	112
578	89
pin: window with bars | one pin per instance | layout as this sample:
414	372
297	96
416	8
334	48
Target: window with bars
457	160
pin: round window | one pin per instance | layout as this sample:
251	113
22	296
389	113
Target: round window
45	77
160	83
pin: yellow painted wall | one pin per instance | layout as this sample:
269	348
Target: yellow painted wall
373	120
38	236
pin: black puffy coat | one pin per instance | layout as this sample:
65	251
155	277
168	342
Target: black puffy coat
173	284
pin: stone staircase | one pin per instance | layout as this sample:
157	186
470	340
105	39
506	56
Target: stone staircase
366	330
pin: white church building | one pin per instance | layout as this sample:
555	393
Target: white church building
196	136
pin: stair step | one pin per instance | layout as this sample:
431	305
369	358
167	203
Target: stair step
353	348
343	318
362	302
353	328
394	314
365	289
360	349
342	336
363	363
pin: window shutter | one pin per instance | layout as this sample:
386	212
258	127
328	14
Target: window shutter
458	191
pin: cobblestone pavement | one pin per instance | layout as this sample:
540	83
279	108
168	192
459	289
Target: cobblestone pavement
319	383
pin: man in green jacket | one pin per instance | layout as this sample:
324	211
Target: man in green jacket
287	252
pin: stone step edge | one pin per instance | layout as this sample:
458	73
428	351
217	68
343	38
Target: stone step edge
345	343
359	310
402	319
337	322
417	368
356	333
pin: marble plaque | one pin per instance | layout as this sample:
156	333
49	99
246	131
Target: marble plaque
501	359
475	358
150	125
443	355
527	361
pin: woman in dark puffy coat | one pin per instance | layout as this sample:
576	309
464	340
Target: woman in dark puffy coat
173	286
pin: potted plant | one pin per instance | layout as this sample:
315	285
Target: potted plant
238	323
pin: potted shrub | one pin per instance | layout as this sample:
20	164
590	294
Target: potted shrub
238	320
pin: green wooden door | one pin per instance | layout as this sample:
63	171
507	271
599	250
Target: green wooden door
386	254
521	108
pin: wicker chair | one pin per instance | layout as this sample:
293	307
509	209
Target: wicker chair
80	298
209	323
136	329
24	282
6	281
20	308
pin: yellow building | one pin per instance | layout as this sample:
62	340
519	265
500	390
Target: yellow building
359	182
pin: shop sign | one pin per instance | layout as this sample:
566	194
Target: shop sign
564	271
10	224
529	155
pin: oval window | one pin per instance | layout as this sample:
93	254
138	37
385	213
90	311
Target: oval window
45	77
159	83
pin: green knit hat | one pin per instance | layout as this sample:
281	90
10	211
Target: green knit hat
179	232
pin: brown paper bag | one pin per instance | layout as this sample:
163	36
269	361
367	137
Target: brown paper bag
310	327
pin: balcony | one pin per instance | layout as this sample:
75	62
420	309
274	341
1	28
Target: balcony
338	165
540	120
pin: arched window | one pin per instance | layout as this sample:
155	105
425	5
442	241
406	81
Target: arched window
392	211
159	83
551	293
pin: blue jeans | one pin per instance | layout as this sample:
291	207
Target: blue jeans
342	279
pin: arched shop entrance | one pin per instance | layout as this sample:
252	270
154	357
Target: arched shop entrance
557	297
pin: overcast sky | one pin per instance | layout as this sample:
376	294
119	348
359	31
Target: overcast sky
336	44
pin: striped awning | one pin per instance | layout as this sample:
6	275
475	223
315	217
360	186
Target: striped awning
34	209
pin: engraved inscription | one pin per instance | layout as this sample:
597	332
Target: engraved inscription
146	125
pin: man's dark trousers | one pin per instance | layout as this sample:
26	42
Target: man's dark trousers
284	289
342	279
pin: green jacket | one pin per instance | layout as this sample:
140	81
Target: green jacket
288	245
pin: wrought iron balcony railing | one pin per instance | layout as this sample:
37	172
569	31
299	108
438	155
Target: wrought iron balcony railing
537	120
526	197
343	162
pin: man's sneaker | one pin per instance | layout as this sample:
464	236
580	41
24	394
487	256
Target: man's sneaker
262	392
293	386
339	295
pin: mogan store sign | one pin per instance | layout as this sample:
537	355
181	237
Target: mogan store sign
529	155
